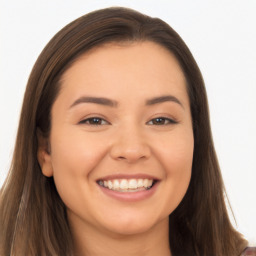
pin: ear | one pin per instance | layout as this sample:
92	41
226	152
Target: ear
43	154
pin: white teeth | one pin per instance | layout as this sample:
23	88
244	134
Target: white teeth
140	183
116	184
145	183
110	184
126	185
132	183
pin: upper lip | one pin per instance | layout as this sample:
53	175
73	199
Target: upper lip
128	176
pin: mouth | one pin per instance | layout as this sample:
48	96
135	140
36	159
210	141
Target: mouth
127	185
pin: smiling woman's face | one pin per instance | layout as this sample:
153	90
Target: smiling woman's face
121	141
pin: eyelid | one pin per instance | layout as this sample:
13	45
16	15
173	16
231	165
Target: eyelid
167	120
83	121
170	121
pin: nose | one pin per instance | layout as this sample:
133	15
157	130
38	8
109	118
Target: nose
130	145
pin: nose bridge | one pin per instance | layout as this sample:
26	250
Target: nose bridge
130	143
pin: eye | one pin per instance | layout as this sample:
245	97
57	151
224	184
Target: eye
94	121
161	121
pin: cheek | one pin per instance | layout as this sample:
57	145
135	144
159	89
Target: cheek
180	162
76	152
178	168
74	157
176	152
176	156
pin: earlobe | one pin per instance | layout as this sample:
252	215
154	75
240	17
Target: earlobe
44	155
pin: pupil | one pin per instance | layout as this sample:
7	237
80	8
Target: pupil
159	121
95	121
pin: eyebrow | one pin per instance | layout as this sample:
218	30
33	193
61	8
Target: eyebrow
96	100
113	103
162	99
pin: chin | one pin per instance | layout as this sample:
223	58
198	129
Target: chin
124	230
134	226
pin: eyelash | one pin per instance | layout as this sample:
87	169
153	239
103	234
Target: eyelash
94	119
100	121
167	121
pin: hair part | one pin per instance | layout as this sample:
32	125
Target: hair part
33	218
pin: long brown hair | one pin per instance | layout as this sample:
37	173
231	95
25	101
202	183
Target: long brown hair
33	219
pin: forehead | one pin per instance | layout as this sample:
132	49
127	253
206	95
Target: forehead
138	67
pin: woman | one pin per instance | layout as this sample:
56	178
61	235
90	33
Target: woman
93	174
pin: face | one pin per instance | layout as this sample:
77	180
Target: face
121	141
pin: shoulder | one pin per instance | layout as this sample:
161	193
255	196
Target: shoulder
249	251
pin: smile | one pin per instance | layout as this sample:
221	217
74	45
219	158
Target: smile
127	185
128	188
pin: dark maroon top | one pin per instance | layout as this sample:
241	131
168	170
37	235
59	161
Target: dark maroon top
250	251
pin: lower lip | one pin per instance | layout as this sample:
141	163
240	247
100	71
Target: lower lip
130	196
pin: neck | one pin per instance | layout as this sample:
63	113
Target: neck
93	242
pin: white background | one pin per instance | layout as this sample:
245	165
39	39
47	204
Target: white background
222	37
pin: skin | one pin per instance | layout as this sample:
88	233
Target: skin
128	140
